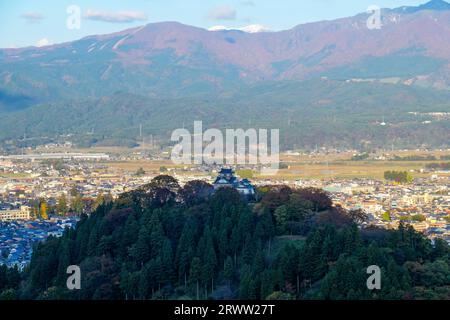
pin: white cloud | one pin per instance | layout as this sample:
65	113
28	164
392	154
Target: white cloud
223	13
32	17
253	28
43	42
116	17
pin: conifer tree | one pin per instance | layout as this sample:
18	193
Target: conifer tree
228	270
140	251
195	275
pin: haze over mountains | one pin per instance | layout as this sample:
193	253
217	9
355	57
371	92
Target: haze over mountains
164	74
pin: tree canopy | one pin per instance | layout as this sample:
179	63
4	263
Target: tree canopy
163	241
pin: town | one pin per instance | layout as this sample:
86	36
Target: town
41	194
17	238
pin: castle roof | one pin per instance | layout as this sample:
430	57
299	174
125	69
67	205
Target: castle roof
226	171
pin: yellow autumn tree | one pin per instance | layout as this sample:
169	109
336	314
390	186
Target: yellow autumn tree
99	201
43	210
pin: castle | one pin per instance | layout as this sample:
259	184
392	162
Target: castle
227	179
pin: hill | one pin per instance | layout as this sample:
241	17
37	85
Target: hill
148	245
308	113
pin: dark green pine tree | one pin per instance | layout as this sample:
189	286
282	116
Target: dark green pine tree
228	270
167	262
235	243
64	258
81	240
144	283
185	252
155	274
126	283
245	284
441	249
157	236
105	245
374	256
223	244
270	280
288	263
248	251
268	224
259	262
140	251
209	258
94	237
254	288
129	235
195	275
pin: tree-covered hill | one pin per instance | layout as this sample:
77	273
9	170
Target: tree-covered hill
164	241
308	113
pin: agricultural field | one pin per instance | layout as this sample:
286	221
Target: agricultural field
340	166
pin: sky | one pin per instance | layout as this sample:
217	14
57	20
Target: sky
42	22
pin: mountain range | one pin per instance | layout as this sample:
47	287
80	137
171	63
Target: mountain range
169	73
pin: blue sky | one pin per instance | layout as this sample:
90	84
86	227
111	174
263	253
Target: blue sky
32	22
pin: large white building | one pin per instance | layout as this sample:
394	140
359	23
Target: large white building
10	215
